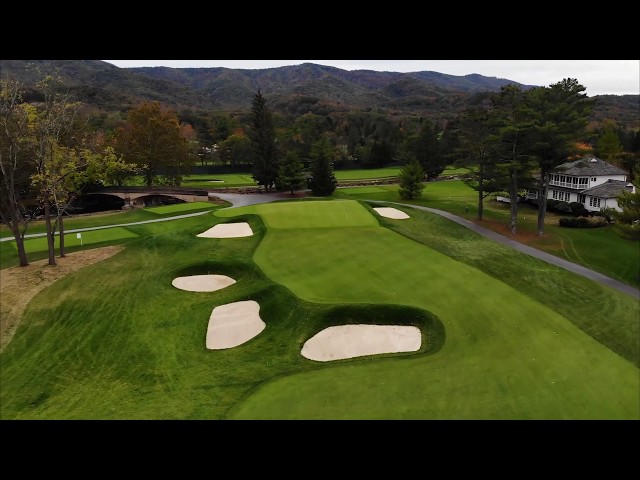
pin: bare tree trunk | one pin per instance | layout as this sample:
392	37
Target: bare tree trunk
61	227
513	195
480	194
50	238
22	253
543	187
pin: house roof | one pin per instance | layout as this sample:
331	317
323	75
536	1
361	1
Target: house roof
589	166
609	189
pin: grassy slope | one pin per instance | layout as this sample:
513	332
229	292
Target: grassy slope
599	249
143	355
514	356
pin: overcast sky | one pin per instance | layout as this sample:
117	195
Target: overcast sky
617	77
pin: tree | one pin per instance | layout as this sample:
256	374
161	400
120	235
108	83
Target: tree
609	146
560	114
512	125
235	150
323	181
411	178
474	152
53	122
426	149
263	142
152	140
290	176
15	164
627	222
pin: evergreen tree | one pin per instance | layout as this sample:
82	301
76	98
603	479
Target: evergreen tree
290	176
627	222
411	178
323	181
263	142
609	145
426	149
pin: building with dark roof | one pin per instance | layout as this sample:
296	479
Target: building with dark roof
590	181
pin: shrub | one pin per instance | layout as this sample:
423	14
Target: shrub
578	209
552	204
563	207
582	222
607	213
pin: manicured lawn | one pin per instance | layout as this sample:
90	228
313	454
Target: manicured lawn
116	340
367	173
600	249
181	208
218	181
71	240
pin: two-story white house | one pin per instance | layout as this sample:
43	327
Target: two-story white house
590	181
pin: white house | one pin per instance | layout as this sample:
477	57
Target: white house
590	181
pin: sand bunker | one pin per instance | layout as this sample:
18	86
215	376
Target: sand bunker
202	283
349	341
391	213
216	181
228	230
233	324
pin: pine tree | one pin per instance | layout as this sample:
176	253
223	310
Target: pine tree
323	182
290	176
263	142
609	145
411	178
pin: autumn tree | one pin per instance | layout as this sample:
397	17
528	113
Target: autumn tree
411	178
16	166
323	181
290	176
152	140
263	142
559	115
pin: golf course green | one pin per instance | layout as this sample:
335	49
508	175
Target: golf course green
505	336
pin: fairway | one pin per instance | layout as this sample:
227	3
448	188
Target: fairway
503	334
514	356
312	214
181	208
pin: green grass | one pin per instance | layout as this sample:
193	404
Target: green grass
134	346
181	208
107	235
367	173
599	249
312	214
224	180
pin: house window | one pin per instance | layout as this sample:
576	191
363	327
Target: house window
583	181
594	202
567	196
593	179
554	194
582	198
574	181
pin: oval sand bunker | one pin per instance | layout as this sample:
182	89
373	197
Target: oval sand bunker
228	230
233	324
202	283
391	213
349	341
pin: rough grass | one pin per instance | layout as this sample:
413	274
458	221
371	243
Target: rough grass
134	346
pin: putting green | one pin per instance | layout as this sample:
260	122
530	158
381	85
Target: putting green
505	355
313	214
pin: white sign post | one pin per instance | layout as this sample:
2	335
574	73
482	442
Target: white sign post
79	235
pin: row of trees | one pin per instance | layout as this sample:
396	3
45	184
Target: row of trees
286	174
518	137
45	160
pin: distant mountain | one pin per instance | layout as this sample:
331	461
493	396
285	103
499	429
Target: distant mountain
290	90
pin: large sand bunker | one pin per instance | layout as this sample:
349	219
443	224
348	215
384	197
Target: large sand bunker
202	283
349	341
391	213
233	324
228	230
